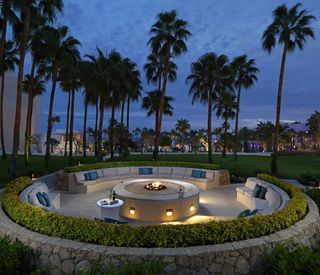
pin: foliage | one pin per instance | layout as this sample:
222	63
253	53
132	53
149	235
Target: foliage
138	163
214	232
309	179
315	195
285	260
12	256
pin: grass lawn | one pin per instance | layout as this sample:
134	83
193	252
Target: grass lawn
289	166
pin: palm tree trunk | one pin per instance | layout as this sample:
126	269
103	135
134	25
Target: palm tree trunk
67	126
95	135
235	146
50	124
224	150
100	128
128	113
122	111
274	161
111	131
4	155
210	160
5	15
29	117
128	120
163	93
84	134
121	121
71	125
17	121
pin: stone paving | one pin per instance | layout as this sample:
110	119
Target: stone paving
218	204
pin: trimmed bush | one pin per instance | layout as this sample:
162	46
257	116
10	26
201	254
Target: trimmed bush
213	232
103	165
12	256
286	261
315	195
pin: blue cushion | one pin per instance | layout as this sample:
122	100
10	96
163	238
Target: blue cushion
244	213
263	192
256	191
87	176
198	174
46	198
41	199
94	175
145	171
253	212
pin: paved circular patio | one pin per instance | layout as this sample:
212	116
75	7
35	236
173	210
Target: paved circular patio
215	204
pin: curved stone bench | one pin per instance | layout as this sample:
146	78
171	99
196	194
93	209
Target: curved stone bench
109	177
60	255
275	198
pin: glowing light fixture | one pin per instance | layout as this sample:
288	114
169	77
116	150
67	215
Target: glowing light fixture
132	210
192	207
169	212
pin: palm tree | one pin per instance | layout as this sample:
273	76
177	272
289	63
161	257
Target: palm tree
245	76
25	15
10	59
290	28
264	131
225	107
151	103
38	88
210	75
70	80
100	76
60	46
168	40
45	9
182	126
8	16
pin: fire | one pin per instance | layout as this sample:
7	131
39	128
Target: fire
156	186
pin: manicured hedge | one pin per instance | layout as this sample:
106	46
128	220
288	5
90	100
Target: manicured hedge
214	232
102	165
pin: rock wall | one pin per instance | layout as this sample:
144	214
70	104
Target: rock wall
59	255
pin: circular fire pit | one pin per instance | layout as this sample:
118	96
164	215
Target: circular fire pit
155	186
160	200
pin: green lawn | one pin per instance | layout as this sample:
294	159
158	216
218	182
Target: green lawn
289	166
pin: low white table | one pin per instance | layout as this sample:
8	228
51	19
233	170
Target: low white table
108	210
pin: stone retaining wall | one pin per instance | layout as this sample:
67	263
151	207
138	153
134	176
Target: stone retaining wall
60	255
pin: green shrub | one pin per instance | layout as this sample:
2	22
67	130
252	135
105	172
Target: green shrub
103	165
214	232
309	179
12	256
315	195
287	261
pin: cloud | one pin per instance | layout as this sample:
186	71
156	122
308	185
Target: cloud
230	27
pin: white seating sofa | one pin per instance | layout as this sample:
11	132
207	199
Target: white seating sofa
109	177
29	195
275	198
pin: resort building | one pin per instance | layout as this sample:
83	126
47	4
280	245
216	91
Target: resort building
9	108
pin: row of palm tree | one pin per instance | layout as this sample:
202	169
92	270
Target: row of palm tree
110	81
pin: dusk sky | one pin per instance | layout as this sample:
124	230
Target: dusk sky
230	27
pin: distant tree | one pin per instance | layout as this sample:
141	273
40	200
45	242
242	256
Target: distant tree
210	76
290	28
182	126
264	131
36	140
245	77
313	124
